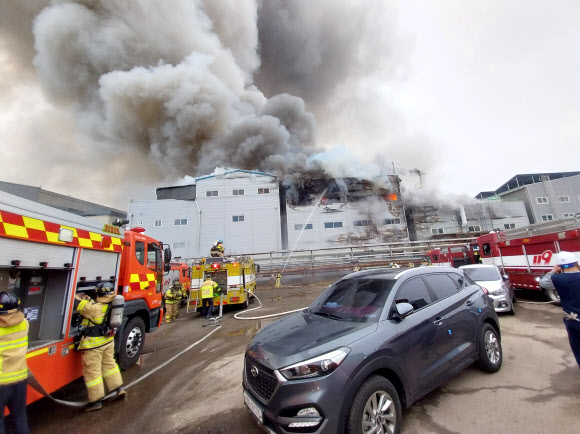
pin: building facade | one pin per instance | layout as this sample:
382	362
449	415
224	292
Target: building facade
546	196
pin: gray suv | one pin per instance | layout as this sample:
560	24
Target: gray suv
371	344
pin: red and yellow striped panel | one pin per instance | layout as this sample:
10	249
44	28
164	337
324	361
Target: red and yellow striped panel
140	282
26	228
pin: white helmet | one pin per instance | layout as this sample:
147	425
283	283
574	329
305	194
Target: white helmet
566	259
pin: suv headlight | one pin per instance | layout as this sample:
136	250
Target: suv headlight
316	367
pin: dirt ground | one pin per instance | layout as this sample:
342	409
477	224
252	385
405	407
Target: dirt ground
536	391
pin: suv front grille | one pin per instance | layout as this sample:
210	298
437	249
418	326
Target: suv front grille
264	383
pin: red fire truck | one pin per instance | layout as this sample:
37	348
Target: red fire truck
527	253
48	255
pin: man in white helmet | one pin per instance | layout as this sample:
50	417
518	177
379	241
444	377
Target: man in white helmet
565	278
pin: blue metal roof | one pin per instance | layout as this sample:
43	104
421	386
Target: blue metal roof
233	171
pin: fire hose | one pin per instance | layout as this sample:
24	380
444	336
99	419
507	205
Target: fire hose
33	382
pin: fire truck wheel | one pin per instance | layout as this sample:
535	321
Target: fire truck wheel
132	342
553	296
490	353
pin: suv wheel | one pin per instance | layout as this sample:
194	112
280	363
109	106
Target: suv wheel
490	353
376	408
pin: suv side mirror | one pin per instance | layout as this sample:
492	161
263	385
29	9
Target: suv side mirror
403	309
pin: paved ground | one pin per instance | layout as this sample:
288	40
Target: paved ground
536	391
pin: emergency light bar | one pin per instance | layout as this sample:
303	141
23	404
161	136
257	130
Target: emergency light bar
215	266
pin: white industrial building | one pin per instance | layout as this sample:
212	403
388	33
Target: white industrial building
241	207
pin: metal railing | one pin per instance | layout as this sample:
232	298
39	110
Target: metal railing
337	258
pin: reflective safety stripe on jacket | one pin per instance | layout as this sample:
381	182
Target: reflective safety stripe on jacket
13	347
93	314
208	288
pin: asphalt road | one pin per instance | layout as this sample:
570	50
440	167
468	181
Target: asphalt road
536	391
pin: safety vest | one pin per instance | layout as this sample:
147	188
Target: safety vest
93	314
207	289
13	348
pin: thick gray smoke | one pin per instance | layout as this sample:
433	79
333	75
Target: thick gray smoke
186	86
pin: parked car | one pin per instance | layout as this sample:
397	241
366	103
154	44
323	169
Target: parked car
497	283
371	344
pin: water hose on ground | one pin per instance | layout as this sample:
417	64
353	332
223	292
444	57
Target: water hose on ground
33	382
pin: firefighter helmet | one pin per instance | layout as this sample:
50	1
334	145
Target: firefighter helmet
8	302
566	259
176	280
105	288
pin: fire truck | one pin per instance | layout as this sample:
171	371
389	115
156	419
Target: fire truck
181	271
48	255
235	276
454	255
527	253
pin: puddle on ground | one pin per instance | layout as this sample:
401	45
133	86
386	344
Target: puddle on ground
247	331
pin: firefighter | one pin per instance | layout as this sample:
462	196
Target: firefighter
209	290
217	250
565	278
172	301
98	347
13	369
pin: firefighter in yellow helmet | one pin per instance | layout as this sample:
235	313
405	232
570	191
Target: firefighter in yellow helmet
209	290
13	369
172	301
98	347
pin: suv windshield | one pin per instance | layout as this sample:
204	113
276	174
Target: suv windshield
482	274
358	300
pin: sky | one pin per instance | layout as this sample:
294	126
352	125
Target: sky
106	103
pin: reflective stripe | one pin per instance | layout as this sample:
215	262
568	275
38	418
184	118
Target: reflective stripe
94	382
13	329
111	372
12	377
19	345
21	341
94	342
81	305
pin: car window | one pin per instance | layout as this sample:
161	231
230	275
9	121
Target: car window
481	274
358	300
458	279
414	292
441	284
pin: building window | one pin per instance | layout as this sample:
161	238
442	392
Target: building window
237	218
542	199
568	215
475	228
330	225
395	221
265	190
180	222
363	222
509	225
211	193
140	222
305	227
157	223
436	231
547	217
563	199
238	192
180	245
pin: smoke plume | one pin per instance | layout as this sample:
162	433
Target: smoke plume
162	90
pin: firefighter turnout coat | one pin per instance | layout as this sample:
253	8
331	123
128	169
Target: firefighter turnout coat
210	289
98	351
172	301
13	348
